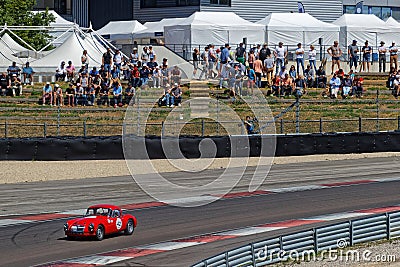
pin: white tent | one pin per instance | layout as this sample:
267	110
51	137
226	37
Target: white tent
218	28
71	49
361	27
121	30
10	43
293	28
394	32
60	21
156	29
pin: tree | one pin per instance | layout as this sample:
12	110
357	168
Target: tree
19	13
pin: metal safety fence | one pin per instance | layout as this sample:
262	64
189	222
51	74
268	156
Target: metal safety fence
308	244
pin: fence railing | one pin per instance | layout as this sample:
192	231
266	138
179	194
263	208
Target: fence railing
200	127
309	243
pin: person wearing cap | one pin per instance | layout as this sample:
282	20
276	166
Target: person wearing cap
70	94
58	95
335	52
280	55
16	86
144	57
28	72
224	57
80	95
367	57
393	55
157	75
70	71
61	72
299	58
134	56
352	51
47	94
382	57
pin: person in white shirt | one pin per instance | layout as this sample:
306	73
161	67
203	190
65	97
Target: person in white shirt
269	64
280	55
299	58
312	58
117	59
382	57
393	55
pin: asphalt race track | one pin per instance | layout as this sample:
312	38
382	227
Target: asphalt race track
41	242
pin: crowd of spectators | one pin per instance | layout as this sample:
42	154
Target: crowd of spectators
103	85
246	67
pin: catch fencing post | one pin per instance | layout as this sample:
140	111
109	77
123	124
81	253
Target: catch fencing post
44	129
202	127
253	256
359	124
5	129
398	123
297	115
387	226
351	232
282	126
84	129
320	125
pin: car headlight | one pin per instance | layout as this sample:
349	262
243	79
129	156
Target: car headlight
66	227
91	227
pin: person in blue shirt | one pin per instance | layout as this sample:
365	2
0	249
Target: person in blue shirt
224	56
93	72
252	78
117	93
28	72
47	93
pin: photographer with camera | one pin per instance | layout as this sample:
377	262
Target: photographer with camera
249	123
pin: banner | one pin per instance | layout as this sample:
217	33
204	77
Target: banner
301	7
359	7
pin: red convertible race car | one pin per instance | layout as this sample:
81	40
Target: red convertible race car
100	220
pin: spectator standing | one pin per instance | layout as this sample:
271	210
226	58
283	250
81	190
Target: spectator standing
212	59
312	58
335	52
269	64
224	56
251	78
393	55
258	69
241	54
157	75
47	94
280	55
85	59
264	53
134	56
196	59
352	51
205	59
382	57
367	57
28	72
70	94
152	54
251	59
300	58
118	58
107	61
144	56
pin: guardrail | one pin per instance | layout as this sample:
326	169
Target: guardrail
310	242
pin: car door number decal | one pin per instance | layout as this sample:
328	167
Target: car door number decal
118	223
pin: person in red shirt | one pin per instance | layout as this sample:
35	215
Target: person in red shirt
276	85
135	76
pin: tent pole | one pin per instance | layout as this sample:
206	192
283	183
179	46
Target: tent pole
19	38
52	42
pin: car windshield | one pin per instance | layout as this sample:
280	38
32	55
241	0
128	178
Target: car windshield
97	211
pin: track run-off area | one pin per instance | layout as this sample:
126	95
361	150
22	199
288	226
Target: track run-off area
294	196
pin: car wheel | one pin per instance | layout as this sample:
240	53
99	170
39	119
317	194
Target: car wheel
69	238
100	233
129	228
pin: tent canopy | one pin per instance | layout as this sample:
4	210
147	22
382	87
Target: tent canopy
218	28
292	28
60	21
391	22
11	44
362	27
121	30
157	27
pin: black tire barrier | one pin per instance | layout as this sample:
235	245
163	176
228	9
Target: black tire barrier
107	148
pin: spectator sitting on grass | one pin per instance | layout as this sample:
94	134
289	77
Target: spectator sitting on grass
321	77
144	75
96	82
80	95
70	94
117	93
58	95
28	72
115	72
276	86
300	86
90	95
358	89
47	94
309	76
61	72
83	70
93	72
335	86
287	85
396	86
346	86
176	75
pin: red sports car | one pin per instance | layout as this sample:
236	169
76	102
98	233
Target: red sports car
100	220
